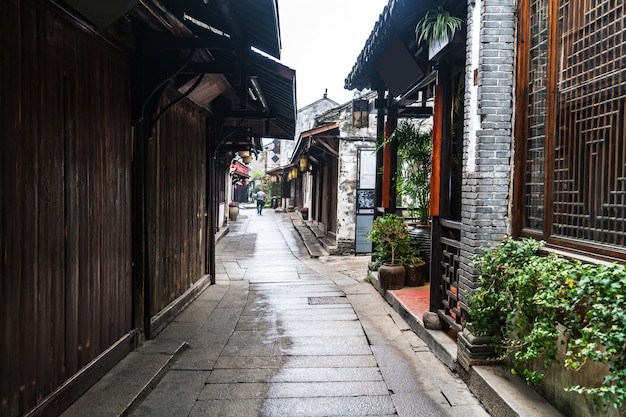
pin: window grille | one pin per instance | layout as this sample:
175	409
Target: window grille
582	200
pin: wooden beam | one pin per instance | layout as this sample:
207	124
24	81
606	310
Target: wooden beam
329	148
213	67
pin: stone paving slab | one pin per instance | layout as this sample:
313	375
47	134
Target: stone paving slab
301	340
240	407
329	406
283	362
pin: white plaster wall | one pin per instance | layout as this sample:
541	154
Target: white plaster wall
307	182
222	215
346	190
472	119
351	140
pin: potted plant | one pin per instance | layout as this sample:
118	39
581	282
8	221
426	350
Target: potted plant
305	213
437	28
416	270
413	182
233	210
415	152
390	234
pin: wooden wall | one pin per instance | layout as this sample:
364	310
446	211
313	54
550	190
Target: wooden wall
176	202
65	210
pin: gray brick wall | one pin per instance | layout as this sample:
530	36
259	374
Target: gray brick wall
487	189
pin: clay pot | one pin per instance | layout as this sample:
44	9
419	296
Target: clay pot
391	276
416	274
419	236
233	212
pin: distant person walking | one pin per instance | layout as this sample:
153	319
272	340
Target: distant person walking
260	202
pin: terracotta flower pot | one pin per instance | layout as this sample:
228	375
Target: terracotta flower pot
391	276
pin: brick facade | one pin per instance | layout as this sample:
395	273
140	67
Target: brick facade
488	133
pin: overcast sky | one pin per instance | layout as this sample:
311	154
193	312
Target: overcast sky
321	40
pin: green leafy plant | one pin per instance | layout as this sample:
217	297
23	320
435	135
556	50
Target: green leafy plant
601	334
437	25
389	234
529	303
411	257
413	181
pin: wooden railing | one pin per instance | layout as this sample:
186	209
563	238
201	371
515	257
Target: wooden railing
450	308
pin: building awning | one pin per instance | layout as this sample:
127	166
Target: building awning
317	141
211	50
250	22
270	110
396	22
320	129
239	170
277	171
254	22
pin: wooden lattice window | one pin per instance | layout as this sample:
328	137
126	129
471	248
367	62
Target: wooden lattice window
574	133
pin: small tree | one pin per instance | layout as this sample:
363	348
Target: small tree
389	232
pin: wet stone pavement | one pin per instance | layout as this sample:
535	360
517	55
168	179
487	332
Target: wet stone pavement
281	334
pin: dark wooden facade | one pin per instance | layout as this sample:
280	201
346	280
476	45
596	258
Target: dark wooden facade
66	289
112	177
177	203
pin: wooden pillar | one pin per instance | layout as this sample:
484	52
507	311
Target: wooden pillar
211	198
435	177
391	168
380	135
390	163
436	289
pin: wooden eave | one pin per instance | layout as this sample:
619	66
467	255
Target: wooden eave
209	47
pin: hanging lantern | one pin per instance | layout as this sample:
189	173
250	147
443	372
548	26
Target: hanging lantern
294	173
304	163
243	154
273	179
247	159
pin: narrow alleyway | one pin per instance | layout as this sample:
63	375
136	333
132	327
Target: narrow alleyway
282	334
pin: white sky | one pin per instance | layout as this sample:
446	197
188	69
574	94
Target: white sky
321	40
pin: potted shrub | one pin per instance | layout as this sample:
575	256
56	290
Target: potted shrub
305	213
233	210
390	234
416	270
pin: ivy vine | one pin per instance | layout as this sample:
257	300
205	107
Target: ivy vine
529	302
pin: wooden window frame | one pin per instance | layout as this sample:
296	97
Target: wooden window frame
575	247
